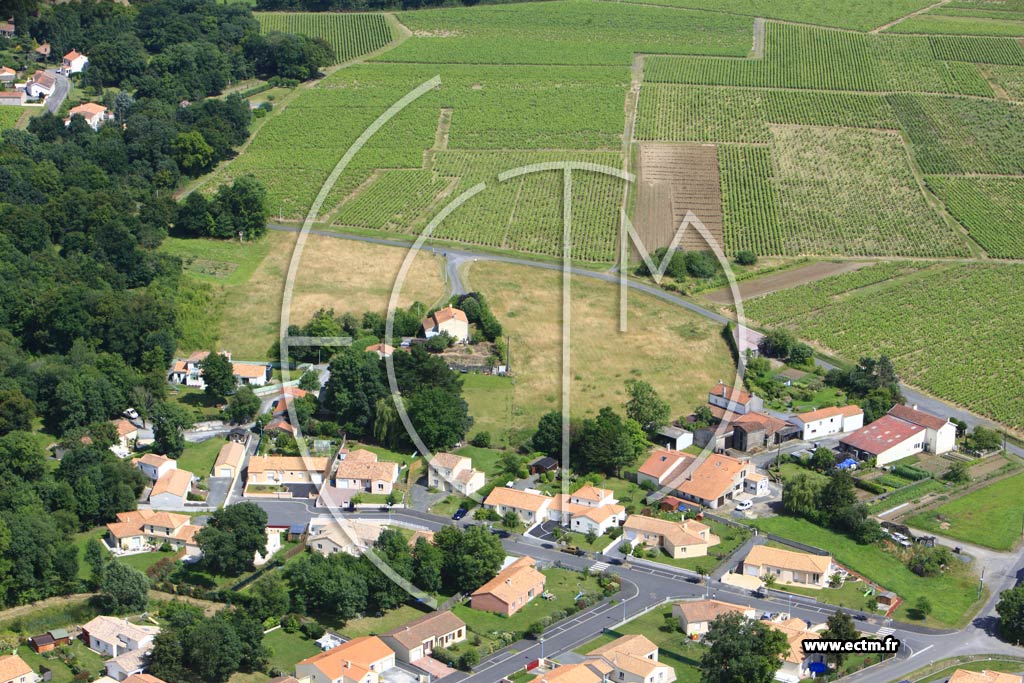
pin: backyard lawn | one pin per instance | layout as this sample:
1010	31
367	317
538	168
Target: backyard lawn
288	648
370	626
957	588
850	595
86	660
196	401
490	403
485	460
562	583
990	516
198	458
731	539
674	648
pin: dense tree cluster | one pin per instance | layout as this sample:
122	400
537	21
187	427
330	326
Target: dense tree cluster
781	344
873	385
357	397
831	504
741	650
478	312
232	537
695	264
342	586
192	648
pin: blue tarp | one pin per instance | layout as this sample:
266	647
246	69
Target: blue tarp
847	464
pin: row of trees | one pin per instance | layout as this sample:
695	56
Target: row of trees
831	504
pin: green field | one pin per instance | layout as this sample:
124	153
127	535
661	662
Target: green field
350	35
9	116
198	458
1009	78
288	648
992	210
958	590
960	25
906	319
990	516
850	595
674	648
535	33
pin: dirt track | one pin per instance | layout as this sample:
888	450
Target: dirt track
774	282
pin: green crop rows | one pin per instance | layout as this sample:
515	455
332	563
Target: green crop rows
814	58
975	49
972	25
393	201
713	114
349	35
1010	79
952	330
748	199
603	33
992	210
954	135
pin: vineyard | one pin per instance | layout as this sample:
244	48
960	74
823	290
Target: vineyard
853	14
954	135
1010	79
711	114
749	204
604	33
815	58
971	25
393	200
9	116
850	192
992	210
952	330
349	35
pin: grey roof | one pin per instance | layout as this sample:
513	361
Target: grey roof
672	431
428	626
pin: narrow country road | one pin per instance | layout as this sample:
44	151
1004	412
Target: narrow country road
61	88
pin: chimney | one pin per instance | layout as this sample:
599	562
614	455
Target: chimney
508	582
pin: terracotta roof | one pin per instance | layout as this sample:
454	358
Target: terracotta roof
13	667
449	313
286	463
737	396
850	410
43	78
124	427
370	471
360	455
592	493
825	413
130	524
153	460
763	555
713	477
600	514
428	626
662	460
74	54
635	645
88	110
986	676
176	482
350	535
796	632
230	454
132	660
680	533
250	370
12	94
767	422
197	356
43	49
142	678
513	581
570	673
351	659
882	434
7	71
918	417
517	499
383	349
449	461
641	666
698	611
754	476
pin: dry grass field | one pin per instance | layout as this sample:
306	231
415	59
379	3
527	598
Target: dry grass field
680	354
335	273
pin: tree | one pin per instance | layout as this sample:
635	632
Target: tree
645	406
510	520
605	444
472	556
957	473
243	406
923	607
746	258
741	651
481	439
840	626
984	439
351	394
838	493
441	418
702	416
170	421
310	381
513	465
124	588
218	375
427	563
548	437
823	460
1011	614
16	412
97	557
800	496
245	201
269	597
192	152
232	537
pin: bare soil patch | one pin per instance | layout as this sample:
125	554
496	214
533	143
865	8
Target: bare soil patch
775	282
674	179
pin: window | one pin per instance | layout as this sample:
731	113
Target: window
621	675
380	487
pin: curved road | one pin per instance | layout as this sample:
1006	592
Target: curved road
61	88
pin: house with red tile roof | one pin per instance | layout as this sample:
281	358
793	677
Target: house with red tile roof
448	320
900	433
511	589
74	62
662	465
818	424
727	399
360	660
14	669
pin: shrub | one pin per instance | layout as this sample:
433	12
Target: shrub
910	472
481	440
746	258
869	486
534	630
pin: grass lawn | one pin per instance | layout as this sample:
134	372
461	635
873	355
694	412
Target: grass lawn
448	506
849	595
196	400
288	648
86	659
255	677
1006	666
674	648
731	539
370	626
911	493
384	454
958	589
658	335
580	541
223	261
826	396
485	460
562	583
791	470
990	516
490	403
144	561
198	458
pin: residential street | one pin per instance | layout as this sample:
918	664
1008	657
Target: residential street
61	88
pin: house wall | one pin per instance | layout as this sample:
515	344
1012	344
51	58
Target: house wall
167	500
910	446
788	575
490	603
942	440
681	551
456	328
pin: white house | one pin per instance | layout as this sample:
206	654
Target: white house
155	466
189	372
127	435
94	114
141	530
589	509
128	664
450	472
823	422
673	438
726	399
40	85
696	615
789	566
662	466
73	63
7	29
796	665
448	320
111	636
900	433
940	434
14	669
418	638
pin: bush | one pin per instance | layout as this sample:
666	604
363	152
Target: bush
468	659
312	629
869	486
481	440
290	623
746	258
910	472
534	630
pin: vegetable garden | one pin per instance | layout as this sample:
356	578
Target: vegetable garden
349	35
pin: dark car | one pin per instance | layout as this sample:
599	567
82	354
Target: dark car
459	514
547	546
500	533
616	561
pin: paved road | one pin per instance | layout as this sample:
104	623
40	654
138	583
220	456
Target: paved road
60	92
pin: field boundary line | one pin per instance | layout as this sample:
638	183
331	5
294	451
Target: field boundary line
883	27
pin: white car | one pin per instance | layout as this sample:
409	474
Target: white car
744	505
131	414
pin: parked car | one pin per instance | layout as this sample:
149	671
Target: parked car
459	514
500	533
573	550
131	414
744	505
